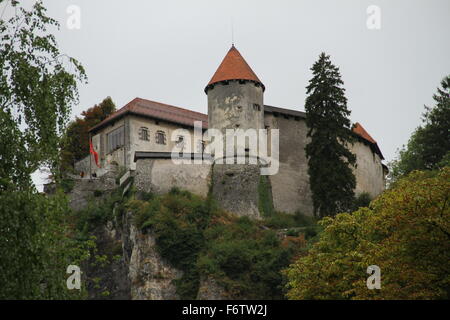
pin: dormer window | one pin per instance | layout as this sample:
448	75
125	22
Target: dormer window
160	137
144	134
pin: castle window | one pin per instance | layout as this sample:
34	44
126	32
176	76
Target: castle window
160	137
115	139
256	107
143	134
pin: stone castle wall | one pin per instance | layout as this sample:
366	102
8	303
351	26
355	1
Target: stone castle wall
290	187
237	190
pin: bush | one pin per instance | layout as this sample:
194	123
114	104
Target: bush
281	220
96	213
361	200
67	185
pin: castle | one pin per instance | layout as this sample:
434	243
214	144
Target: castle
141	136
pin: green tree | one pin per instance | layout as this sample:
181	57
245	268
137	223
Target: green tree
75	143
327	117
36	93
429	145
37	246
405	231
36	96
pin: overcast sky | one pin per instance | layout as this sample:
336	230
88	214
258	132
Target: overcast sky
168	50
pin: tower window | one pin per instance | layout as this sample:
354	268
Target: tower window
160	137
256	107
143	134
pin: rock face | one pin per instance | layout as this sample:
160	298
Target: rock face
209	289
84	189
150	275
130	267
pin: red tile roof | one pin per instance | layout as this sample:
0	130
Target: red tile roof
156	110
360	131
165	112
234	67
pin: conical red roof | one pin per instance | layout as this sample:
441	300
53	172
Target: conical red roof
234	67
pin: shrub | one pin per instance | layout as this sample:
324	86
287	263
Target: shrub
281	220
67	185
361	200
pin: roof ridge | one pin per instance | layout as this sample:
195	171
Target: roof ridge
169	105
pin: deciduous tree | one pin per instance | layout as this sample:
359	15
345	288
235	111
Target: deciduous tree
405	231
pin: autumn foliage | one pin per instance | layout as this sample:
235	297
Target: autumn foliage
75	145
406	232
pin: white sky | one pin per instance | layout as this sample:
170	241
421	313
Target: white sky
167	51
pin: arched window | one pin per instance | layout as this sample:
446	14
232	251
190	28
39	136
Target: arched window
160	137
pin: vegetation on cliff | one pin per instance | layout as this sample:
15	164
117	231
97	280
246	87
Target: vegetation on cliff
195	236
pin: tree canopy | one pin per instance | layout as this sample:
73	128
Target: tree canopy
429	146
405	231
329	159
75	143
37	93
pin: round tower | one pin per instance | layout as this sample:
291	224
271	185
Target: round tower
235	95
236	101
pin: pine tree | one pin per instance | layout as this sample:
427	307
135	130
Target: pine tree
330	161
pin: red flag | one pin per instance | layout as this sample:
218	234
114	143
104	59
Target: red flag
94	153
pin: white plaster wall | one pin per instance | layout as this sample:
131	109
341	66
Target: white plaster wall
369	171
290	186
160	175
141	145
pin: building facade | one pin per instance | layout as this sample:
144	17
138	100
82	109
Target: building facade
141	135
